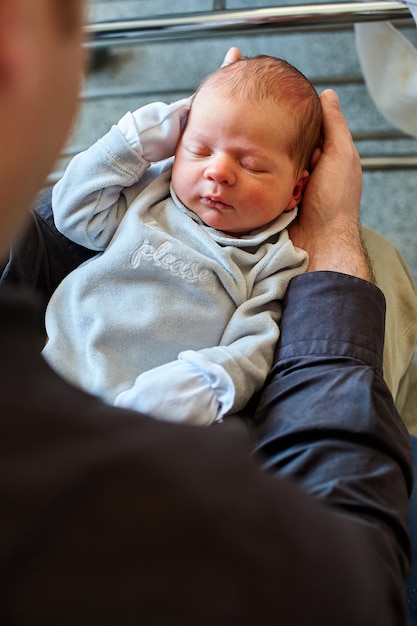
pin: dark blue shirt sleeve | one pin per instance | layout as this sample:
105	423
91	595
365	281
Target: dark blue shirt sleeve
326	417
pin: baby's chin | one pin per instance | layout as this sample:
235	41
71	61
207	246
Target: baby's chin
211	216
218	222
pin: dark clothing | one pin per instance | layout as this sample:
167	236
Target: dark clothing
412	527
109	517
43	256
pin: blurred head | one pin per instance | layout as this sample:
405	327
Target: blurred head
244	155
41	61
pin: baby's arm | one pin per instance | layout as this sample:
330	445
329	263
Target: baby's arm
247	348
203	386
90	201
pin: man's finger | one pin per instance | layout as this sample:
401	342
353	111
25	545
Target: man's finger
334	121
232	55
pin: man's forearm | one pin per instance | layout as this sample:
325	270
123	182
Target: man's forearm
342	251
326	385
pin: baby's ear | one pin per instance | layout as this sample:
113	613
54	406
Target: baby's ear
297	192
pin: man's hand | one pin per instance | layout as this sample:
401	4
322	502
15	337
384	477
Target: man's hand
328	223
232	55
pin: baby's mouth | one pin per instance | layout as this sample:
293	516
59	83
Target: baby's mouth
215	202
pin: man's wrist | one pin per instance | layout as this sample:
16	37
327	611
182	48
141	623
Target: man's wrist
342	250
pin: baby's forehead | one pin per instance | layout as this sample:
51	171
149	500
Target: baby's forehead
244	94
215	106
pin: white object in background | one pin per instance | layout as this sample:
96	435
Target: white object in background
389	66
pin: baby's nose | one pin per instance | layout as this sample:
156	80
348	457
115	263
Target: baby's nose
221	169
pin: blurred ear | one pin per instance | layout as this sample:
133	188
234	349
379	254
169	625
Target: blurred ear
297	192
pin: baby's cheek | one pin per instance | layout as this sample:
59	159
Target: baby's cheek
178	182
259	195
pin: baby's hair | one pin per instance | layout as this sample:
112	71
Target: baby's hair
265	77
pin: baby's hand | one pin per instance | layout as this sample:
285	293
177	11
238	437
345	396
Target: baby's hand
191	390
155	129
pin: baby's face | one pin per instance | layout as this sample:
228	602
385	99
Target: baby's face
231	167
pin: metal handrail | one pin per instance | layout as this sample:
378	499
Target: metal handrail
391	162
242	21
250	21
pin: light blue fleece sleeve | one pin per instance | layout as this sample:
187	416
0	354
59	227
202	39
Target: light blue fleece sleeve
89	201
247	347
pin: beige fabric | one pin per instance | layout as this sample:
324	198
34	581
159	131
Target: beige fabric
394	279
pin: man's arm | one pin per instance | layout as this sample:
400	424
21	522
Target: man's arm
326	417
